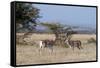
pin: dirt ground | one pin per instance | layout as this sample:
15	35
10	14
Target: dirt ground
29	54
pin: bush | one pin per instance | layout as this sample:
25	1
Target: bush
91	40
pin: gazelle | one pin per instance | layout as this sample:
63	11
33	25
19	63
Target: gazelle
74	43
46	44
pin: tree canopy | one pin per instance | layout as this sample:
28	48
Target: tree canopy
26	16
59	30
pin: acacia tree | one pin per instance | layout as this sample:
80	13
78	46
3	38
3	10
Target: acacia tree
26	17
54	27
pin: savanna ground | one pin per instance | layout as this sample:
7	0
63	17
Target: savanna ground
29	54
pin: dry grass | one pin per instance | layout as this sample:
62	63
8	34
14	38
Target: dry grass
83	37
27	54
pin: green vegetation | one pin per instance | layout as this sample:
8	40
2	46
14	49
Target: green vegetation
91	40
26	17
26	13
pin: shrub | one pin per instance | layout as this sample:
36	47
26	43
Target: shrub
91	40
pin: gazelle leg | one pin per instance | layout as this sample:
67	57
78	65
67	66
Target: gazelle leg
39	51
78	46
52	50
81	47
73	48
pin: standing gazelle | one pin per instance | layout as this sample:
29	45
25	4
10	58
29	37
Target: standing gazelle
74	43
46	44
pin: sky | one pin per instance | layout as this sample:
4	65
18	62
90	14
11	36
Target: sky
68	15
